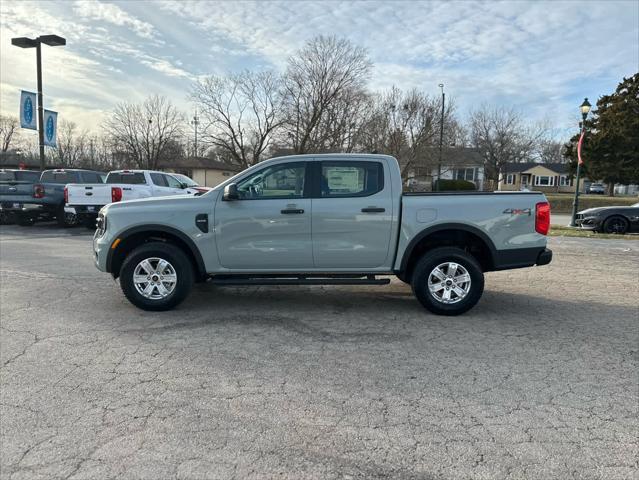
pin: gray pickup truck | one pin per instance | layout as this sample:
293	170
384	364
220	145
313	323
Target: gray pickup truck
337	219
28	202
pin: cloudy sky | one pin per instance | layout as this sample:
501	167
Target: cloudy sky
539	57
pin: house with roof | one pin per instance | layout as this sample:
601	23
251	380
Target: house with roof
458	163
207	172
544	177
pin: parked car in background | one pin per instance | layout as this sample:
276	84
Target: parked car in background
46	201
15	187
596	188
85	201
321	219
610	219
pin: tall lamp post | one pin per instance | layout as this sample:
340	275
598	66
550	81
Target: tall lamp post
52	41
441	139
585	109
195	122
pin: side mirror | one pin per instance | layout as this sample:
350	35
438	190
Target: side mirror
183	186
230	192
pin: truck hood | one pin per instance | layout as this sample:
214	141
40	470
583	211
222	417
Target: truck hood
173	202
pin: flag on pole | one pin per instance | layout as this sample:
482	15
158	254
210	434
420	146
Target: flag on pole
581	140
50	127
28	117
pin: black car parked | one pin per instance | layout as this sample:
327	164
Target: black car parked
44	200
610	219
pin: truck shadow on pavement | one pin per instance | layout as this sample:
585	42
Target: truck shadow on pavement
365	315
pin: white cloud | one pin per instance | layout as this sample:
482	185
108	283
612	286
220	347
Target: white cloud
541	57
109	12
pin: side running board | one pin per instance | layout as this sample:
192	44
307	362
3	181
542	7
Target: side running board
297	280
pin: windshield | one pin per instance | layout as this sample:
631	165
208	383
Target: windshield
186	180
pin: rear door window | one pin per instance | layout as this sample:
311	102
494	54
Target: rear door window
351	179
159	180
129	178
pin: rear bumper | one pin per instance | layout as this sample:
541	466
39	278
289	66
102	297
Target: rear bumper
84	211
544	257
522	257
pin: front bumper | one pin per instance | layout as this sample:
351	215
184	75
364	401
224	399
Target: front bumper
101	245
588	223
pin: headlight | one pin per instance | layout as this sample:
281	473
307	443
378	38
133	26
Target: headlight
101	224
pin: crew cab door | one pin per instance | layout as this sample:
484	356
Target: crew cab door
352	215
269	226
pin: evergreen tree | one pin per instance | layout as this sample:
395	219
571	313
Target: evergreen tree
611	145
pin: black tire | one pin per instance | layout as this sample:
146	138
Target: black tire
177	260
25	221
615	224
436	257
64	219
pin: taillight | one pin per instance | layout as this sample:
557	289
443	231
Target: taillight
116	194
38	191
542	218
66	195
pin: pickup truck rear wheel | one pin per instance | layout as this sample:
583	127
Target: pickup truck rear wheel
448	281
156	276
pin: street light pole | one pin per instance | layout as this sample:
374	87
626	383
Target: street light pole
195	122
40	104
441	139
585	108
52	41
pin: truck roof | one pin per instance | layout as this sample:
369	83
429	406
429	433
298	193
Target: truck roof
337	157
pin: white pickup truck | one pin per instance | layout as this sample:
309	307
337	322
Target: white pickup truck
86	200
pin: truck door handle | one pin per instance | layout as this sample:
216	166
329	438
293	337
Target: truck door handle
373	210
289	211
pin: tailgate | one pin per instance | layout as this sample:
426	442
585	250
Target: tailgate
90	194
16	188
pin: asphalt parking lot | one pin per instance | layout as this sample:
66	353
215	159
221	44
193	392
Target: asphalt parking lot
539	381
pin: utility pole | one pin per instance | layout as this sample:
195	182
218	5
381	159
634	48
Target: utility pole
195	122
441	139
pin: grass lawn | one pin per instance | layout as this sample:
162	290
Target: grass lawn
562	203
559	231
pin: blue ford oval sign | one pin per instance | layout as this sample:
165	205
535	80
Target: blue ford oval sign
28	110
50	129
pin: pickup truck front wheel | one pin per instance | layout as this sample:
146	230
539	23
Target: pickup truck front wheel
448	281
156	276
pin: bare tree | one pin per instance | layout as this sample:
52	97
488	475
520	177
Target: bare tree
502	137
240	114
146	132
71	149
551	151
8	127
406	125
328	73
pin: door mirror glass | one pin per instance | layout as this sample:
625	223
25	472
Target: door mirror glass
230	192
